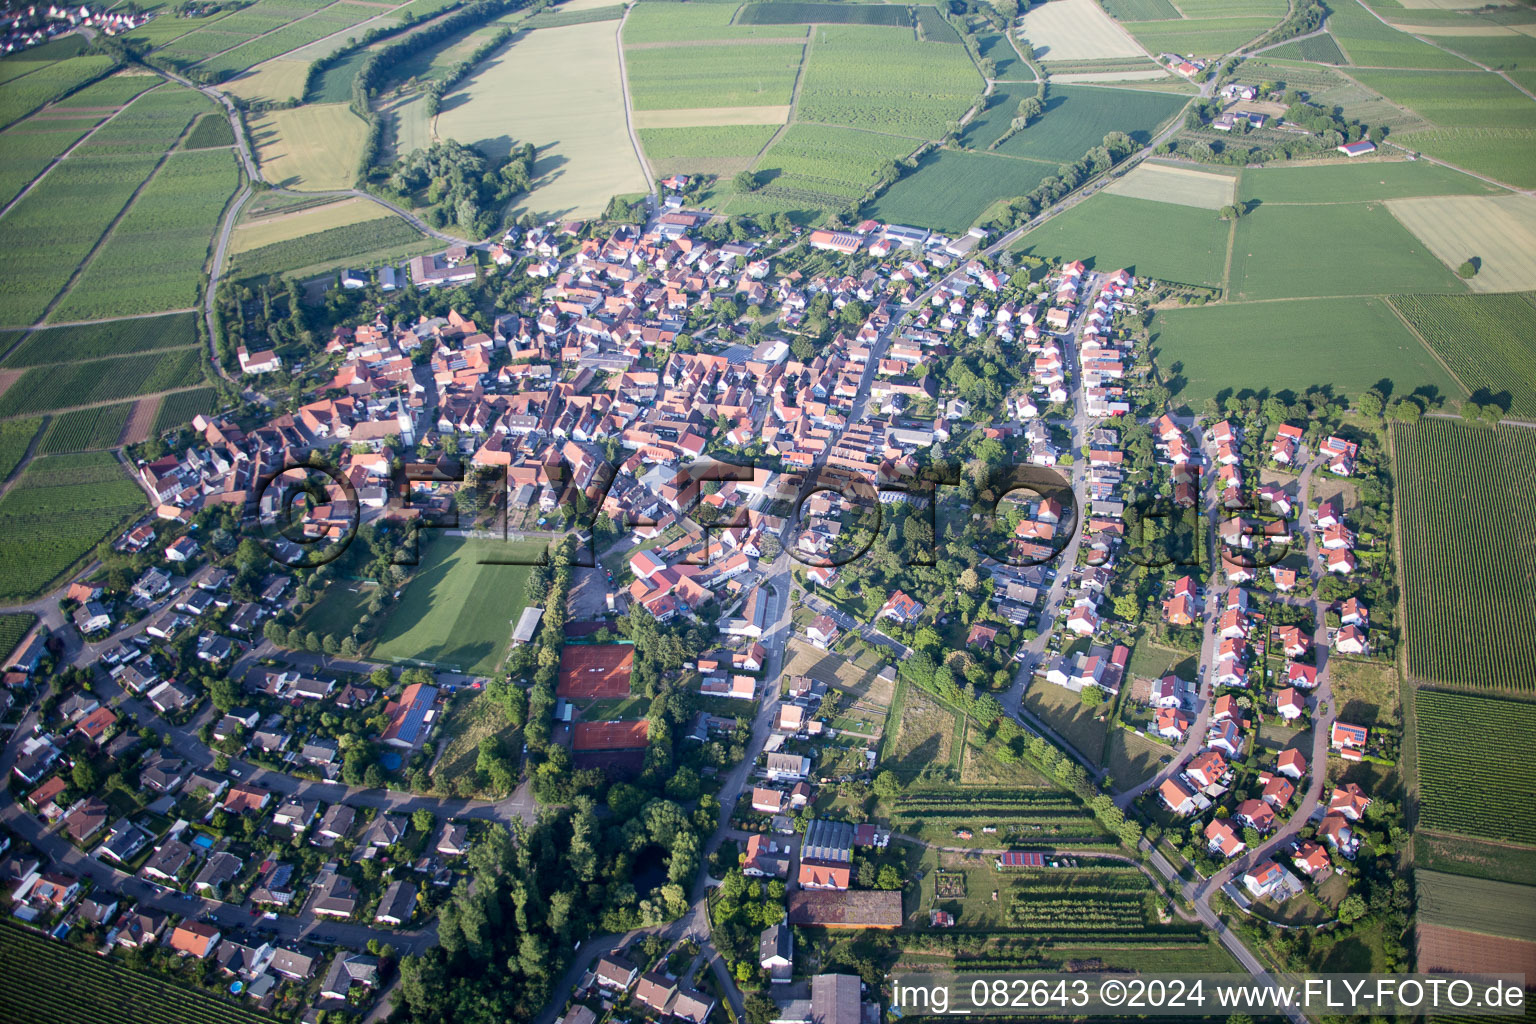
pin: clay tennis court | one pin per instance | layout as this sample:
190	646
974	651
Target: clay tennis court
595	670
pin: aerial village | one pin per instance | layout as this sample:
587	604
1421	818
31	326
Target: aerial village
715	468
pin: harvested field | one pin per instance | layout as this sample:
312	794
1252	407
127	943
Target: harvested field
710	117
314	147
1499	231
1182	185
1076	30
279	79
1451	949
253	233
141	420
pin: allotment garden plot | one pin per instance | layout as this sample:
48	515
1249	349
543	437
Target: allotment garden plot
1469	562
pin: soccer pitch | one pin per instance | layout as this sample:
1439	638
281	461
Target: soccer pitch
456	613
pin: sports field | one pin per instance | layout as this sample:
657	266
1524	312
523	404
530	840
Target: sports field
1164	241
1185	186
1355	182
598	671
314	147
456	613
1351	344
584	156
1498	231
1076	30
255	232
1350	249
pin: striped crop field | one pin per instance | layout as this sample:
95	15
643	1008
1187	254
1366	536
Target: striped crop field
1475	775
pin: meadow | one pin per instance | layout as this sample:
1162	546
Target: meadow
1500	153
312	147
1497	232
749	75
1183	186
327	246
921	734
578	126
1356	182
1234	348
1467	530
15	436
993	47
1471	763
60	508
992	121
1367	253
883	80
52	983
1488	341
1369	43
86	429
950	189
170	226
456	612
1072	720
64	385
1077	117
1165	241
113	338
470	719
179	408
825	166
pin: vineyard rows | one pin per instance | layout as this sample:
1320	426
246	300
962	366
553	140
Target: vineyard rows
1469	562
12	629
181	407
1488	341
111	338
46	982
1474	765
15	436
60	509
325	246
882	79
101	380
86	429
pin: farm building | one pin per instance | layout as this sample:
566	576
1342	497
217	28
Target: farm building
826	858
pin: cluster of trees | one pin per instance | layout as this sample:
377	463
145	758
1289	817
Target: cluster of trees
461	184
1306	16
1029	108
1327	129
1115	147
406	19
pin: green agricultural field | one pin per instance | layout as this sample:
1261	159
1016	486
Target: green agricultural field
181	407
169	226
60	508
934	28
796	12
13	629
1488	341
1077	117
1469	571
1207	37
26	149
1141	10
1477	904
1351	344
992	121
705	143
748	75
1500	153
826	167
112	338
24	94
1369	43
1321	49
881	79
52	983
1471	758
15	436
63	385
951	188
1350	249
333	19
1357	182
658	21
995	48
1456	99
456	612
86	429
1164	241
325	247
211	130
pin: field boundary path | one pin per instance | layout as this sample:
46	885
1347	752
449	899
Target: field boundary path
794	99
629	107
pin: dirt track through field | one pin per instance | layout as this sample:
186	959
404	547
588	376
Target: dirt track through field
141	420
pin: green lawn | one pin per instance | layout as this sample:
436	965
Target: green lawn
1289	346
455	612
340	607
1165	241
1343	183
1345	249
